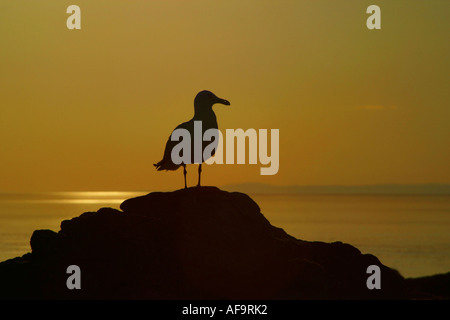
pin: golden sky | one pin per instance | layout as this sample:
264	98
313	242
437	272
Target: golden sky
91	109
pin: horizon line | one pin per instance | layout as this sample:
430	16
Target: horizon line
243	185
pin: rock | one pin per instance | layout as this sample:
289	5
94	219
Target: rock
430	287
44	242
198	243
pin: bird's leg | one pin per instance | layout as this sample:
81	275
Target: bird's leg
184	173
199	174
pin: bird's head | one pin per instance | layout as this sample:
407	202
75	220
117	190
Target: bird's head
206	99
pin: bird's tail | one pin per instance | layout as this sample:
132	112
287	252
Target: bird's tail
165	164
158	165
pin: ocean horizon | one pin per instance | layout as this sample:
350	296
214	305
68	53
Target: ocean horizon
406	232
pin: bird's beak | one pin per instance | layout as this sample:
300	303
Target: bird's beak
223	101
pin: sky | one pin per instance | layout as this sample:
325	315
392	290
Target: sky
92	109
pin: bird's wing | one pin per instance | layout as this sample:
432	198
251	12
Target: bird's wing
167	162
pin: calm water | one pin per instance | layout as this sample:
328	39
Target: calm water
408	233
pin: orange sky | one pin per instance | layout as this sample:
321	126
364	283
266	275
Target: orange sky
91	109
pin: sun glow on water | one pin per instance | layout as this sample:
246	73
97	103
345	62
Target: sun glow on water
73	197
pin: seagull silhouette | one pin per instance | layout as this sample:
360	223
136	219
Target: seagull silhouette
203	112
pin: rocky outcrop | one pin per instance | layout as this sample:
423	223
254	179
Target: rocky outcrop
197	243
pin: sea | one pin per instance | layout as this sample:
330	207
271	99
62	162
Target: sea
410	233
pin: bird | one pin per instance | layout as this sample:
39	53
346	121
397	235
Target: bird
203	112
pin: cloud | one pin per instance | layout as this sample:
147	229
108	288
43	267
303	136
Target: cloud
376	107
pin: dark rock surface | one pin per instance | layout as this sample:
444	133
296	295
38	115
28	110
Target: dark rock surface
434	287
199	243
